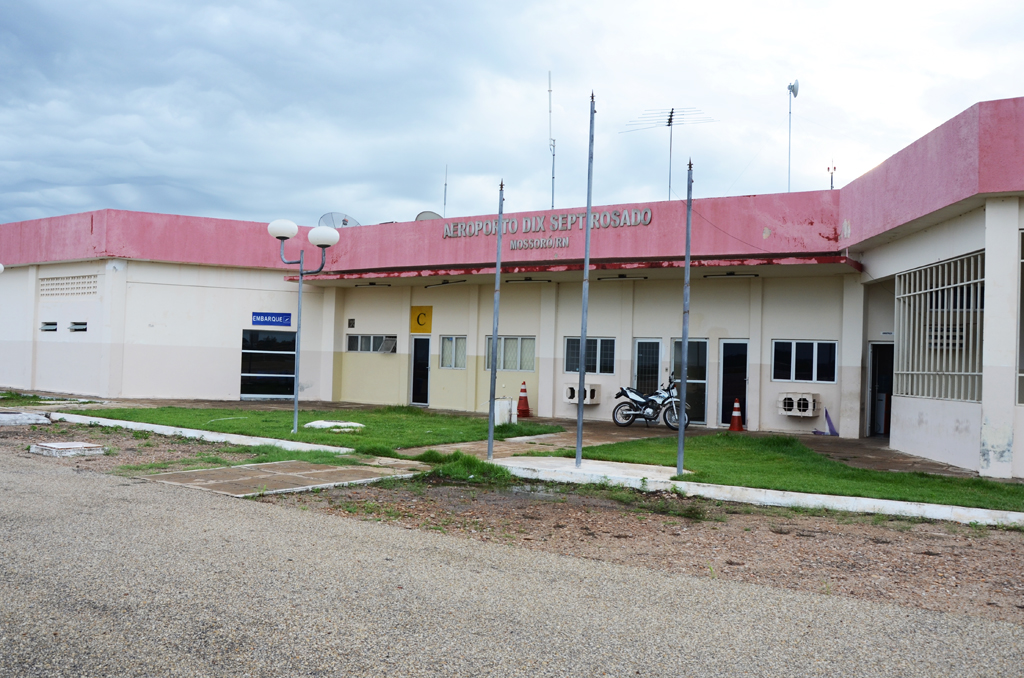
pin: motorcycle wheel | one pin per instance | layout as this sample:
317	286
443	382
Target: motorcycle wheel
671	417
623	414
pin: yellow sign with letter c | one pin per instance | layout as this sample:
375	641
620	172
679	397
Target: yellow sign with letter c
420	318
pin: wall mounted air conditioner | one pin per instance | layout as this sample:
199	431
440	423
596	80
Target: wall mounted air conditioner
592	396
799	404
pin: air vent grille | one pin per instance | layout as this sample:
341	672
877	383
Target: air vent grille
69	286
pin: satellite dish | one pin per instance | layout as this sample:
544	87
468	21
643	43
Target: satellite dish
338	220
794	88
427	215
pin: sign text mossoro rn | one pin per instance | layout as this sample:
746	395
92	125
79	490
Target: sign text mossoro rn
553	223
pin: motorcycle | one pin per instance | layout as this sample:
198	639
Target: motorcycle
664	403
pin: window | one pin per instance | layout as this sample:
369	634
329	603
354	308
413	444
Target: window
268	364
453	352
600	356
373	343
696	376
514	353
939	318
804	361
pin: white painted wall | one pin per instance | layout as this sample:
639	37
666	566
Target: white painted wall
944	430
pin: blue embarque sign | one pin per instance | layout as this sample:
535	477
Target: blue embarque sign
273	319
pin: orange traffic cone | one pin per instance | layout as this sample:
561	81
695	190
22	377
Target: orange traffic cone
737	418
524	404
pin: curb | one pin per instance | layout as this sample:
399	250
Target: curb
211	436
762	497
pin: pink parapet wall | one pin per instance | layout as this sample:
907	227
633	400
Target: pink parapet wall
747	226
979	152
106	234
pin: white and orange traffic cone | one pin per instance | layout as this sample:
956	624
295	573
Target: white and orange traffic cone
524	404
737	417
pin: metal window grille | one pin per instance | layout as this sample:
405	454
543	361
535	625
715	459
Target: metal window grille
69	286
939	317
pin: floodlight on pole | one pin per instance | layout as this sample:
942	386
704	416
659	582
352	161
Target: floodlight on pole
323	237
794	89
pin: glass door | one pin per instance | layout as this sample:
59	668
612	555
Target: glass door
647	362
696	377
420	371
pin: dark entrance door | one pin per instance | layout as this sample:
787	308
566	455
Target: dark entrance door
420	370
881	388
734	379
648	361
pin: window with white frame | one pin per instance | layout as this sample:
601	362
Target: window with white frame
812	361
373	343
939	319
453	353
600	358
515	354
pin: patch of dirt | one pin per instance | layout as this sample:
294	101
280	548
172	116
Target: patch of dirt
125	448
938	566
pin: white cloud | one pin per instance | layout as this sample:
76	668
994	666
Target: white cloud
294	109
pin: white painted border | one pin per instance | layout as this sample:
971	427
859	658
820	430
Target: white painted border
750	495
211	436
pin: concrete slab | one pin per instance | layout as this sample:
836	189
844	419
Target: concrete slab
23	419
276	477
66	449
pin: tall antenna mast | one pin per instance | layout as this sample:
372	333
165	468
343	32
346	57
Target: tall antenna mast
551	143
444	207
668	117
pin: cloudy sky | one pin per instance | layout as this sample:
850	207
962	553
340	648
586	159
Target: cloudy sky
267	109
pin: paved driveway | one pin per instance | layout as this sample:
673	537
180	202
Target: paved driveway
105	576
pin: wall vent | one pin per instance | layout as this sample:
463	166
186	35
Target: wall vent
78	327
69	286
48	327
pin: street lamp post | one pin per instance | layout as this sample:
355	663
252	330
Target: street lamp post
323	237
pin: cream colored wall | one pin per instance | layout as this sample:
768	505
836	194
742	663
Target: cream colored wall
799	309
183	329
76	362
18	326
378	378
944	430
455	313
952	238
519	315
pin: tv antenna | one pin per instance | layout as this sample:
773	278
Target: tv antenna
551	143
444	207
338	220
831	176
668	117
794	88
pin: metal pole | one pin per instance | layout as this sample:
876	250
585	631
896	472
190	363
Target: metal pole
494	331
551	140
298	339
581	391
670	162
789	165
684	358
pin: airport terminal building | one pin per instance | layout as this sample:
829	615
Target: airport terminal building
893	302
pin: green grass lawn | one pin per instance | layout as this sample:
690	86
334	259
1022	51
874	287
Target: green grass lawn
783	463
386	428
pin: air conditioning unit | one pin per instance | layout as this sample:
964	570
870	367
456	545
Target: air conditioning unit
592	395
799	404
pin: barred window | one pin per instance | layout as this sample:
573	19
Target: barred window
939	317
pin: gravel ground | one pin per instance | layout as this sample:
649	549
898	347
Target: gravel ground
946	567
102	575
